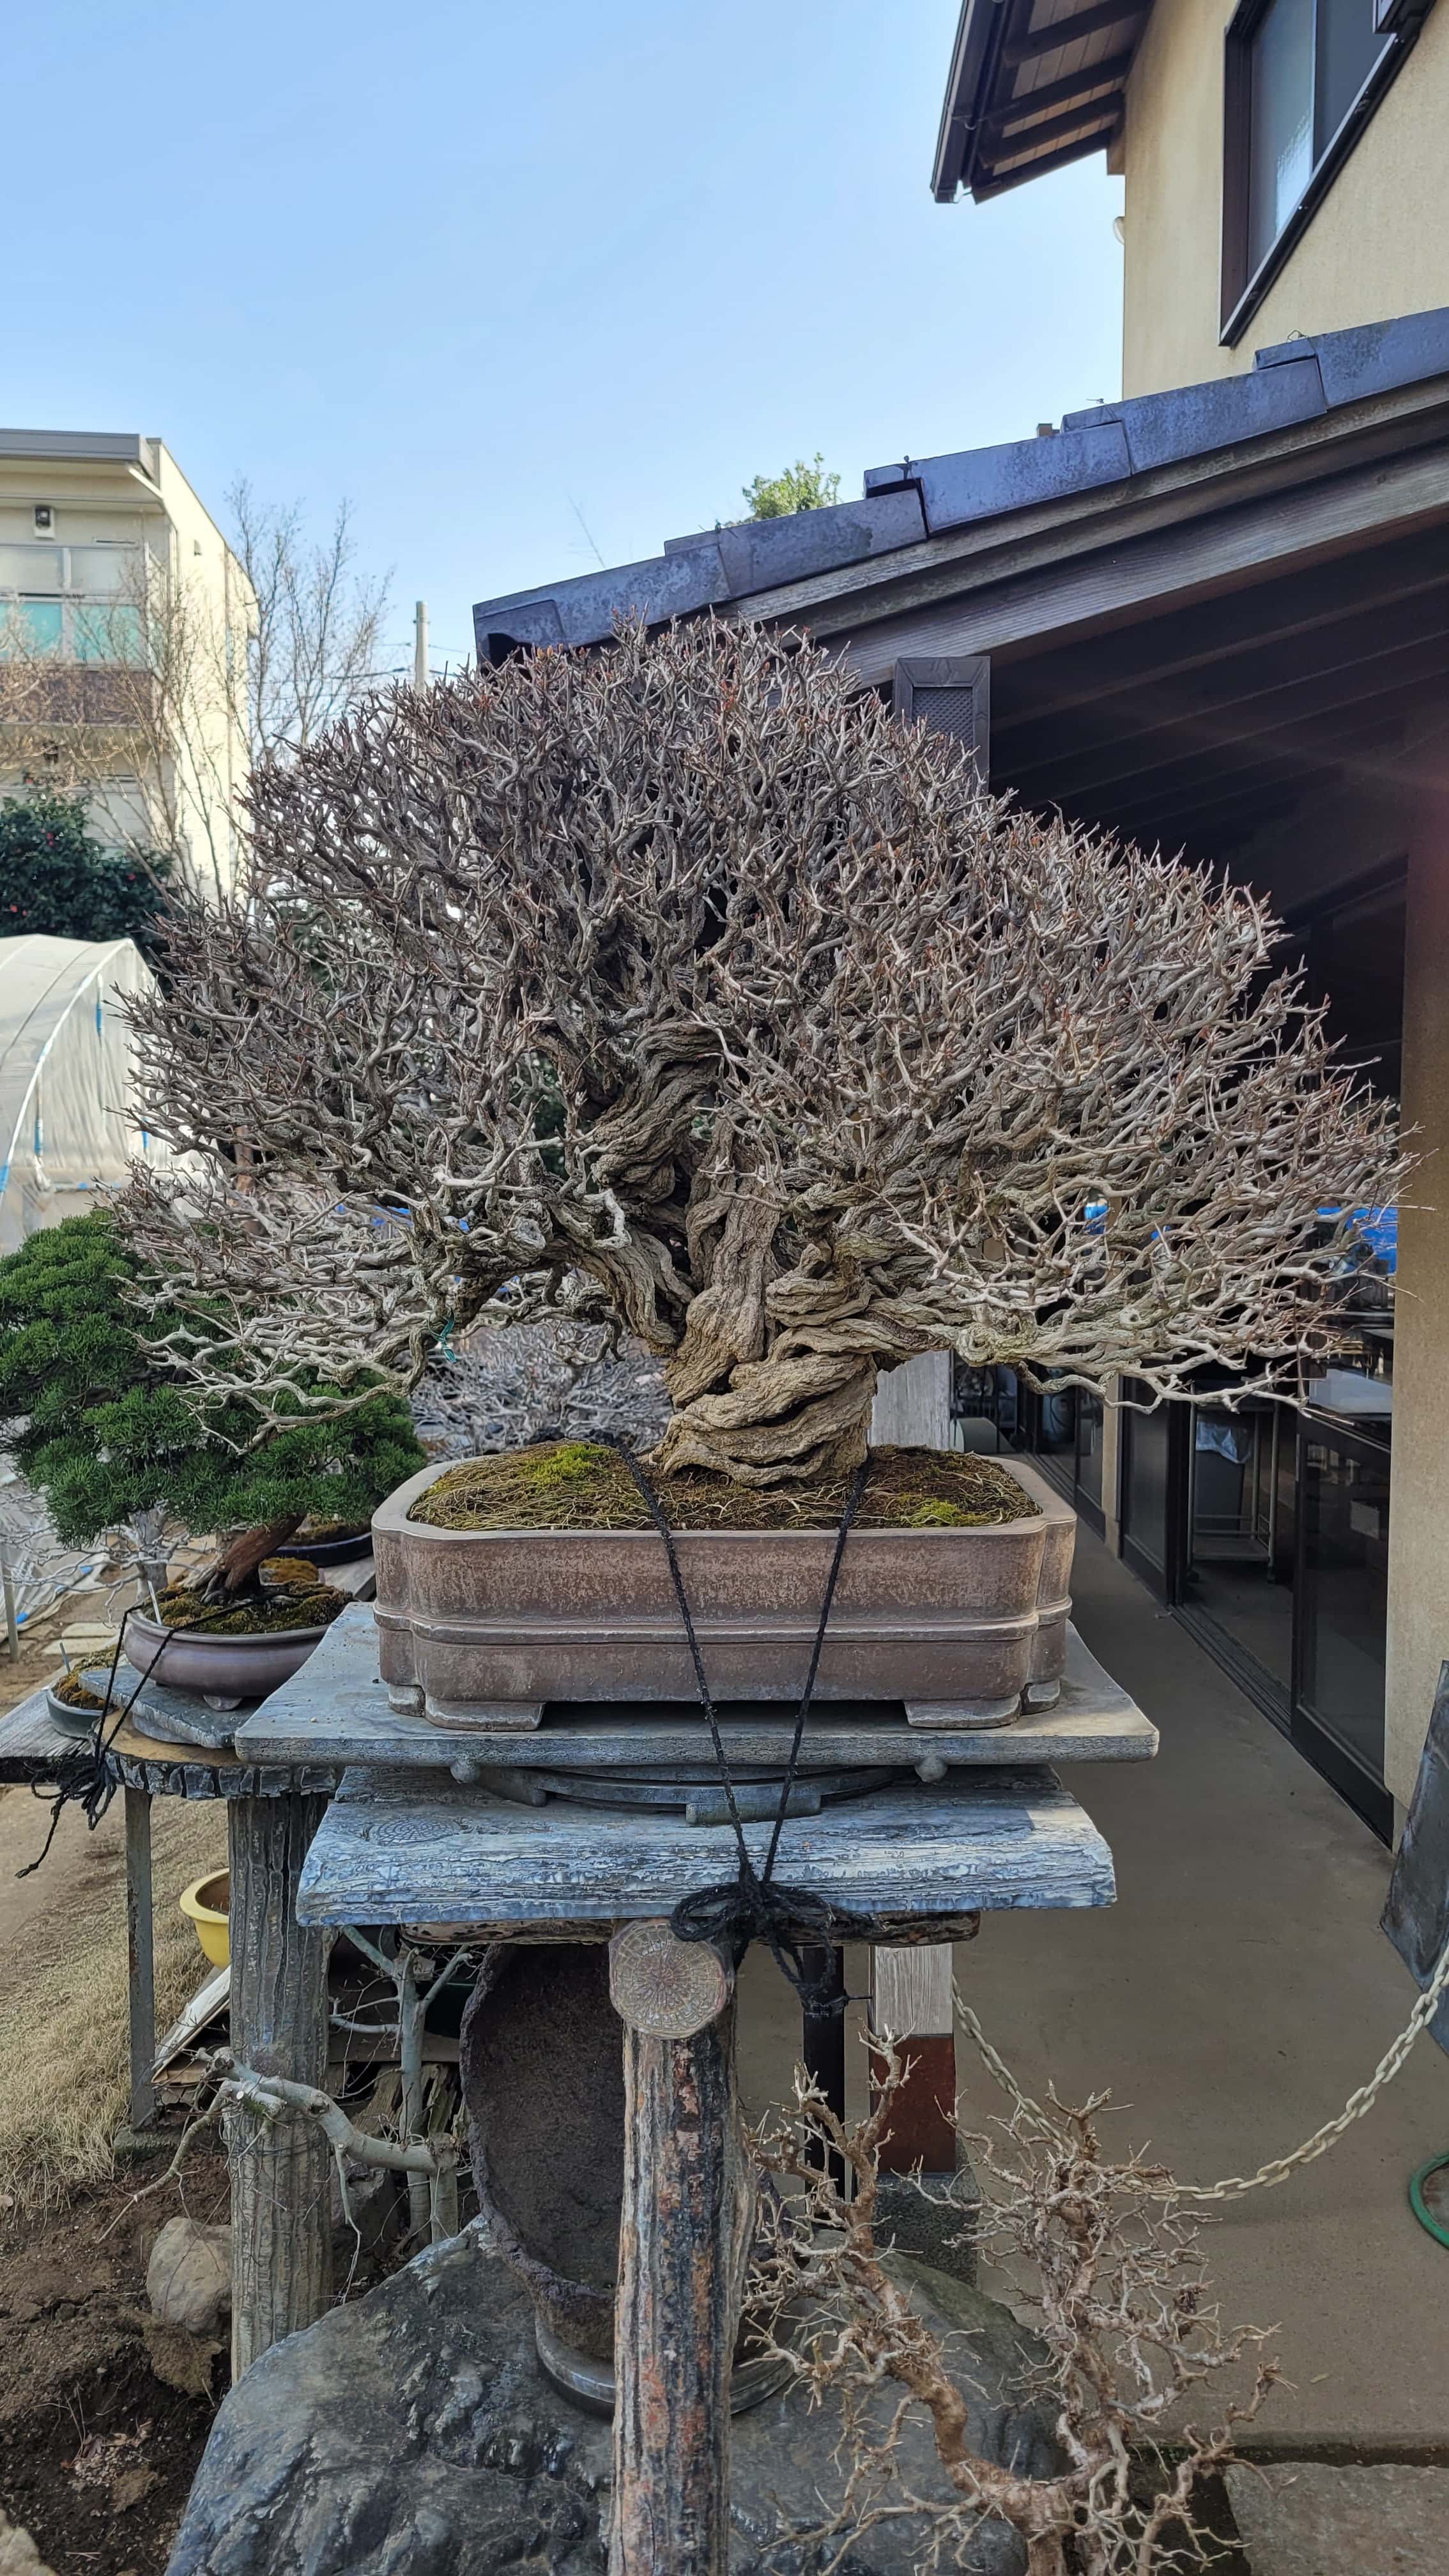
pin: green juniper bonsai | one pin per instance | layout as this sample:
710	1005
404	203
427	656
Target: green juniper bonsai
113	1434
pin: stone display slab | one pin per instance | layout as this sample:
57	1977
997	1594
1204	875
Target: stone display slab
335	1710
396	1848
1310	2518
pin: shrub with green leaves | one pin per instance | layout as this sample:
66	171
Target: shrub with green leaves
55	878
107	1427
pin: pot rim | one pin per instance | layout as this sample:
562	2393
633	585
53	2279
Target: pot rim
391	1520
254	1638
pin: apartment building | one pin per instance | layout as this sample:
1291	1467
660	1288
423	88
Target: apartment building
124	619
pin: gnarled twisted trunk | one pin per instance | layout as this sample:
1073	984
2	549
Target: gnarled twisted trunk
775	1376
798	1419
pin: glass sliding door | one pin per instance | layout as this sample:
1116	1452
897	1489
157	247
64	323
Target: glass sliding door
1154	1457
1240	1540
1342	1612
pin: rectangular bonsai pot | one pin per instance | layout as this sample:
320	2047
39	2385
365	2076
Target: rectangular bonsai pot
480	1627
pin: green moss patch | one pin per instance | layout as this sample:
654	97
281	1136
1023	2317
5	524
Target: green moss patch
582	1484
291	1605
74	1692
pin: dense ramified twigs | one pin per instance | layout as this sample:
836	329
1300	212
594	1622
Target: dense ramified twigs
679	985
1113	2279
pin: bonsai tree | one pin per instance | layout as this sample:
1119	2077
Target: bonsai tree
112	1434
684	986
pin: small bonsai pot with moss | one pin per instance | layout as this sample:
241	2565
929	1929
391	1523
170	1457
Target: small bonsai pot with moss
503	1583
75	1702
324	1542
235	1649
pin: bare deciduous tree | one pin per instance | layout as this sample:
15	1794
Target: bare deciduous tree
1108	2266
317	637
187	681
678	984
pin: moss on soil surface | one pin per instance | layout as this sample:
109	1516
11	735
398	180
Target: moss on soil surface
293	1605
75	1694
581	1484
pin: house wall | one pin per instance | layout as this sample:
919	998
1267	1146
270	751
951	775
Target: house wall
1378	244
1419	1490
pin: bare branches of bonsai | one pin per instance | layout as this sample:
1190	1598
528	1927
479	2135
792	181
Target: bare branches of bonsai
682	987
1109	2268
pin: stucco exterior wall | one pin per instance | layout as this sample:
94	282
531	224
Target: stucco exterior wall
192	795
1378	244
1419	1488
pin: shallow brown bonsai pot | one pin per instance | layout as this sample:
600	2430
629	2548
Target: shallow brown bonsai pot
480	1626
224	1670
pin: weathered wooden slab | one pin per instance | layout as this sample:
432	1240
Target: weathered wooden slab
166	1716
394	1848
32	1746
33	1742
336	1710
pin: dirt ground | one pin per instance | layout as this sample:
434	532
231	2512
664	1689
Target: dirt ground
97	2449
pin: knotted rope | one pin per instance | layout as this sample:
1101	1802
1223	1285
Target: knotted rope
753	1906
81	1779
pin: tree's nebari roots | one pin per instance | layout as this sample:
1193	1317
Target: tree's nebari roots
798	1421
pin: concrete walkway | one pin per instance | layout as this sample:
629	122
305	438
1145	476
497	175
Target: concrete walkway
1235	1995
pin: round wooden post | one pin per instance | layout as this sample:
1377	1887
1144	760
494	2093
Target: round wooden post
280	2170
683	2241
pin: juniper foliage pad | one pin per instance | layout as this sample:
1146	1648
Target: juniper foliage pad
681	984
109	1431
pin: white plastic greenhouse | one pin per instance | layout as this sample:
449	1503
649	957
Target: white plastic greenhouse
66	1121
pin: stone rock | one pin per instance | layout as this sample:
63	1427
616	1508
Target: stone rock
411	2433
934	2230
1301	2518
188	2279
18	2553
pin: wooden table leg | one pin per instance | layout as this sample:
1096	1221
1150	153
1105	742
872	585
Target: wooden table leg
140	1958
280	2171
912	1998
823	2044
683	2241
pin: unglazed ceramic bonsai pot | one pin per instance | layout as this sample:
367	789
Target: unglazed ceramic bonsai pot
483	1627
224	1670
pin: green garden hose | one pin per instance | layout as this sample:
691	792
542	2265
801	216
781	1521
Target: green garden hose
1419	2204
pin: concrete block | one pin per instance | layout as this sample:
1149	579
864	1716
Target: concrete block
1193	420
760	553
1304	2519
584	611
528	621
1372	358
988	480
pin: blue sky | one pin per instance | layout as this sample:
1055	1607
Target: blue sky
490	271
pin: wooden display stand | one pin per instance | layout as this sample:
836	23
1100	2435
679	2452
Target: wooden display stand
405	1840
433	1827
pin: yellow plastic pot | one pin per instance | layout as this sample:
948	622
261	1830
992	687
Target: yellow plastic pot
205	1904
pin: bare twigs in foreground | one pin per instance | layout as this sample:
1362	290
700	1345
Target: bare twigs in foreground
275	2097
679	986
1114	2281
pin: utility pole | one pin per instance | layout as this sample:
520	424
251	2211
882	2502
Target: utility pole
420	645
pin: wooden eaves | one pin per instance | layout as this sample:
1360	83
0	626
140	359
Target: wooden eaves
1033	85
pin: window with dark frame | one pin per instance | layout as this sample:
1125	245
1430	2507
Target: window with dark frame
1301	77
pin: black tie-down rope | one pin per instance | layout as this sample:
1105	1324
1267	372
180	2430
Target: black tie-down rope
81	1779
752	1906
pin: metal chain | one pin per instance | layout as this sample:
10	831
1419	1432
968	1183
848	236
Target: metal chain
1233	2186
